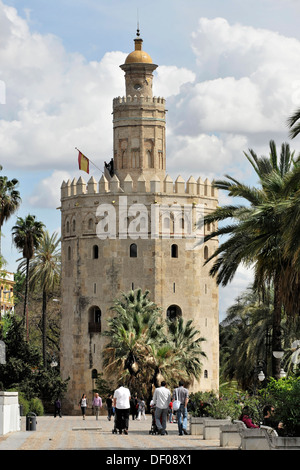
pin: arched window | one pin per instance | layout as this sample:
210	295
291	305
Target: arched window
206	374
68	227
174	251
205	252
133	250
95	252
94	316
90	224
149	159
74	225
173	312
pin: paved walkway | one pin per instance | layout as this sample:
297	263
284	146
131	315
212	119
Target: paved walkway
74	433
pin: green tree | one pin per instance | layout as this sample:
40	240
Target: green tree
23	371
256	234
186	340
294	124
9	199
137	322
144	348
44	273
27	234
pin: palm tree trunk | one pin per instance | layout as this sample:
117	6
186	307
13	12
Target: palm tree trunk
276	337
44	327
26	293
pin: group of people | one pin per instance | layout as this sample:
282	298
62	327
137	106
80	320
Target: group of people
121	404
96	404
269	418
137	408
162	398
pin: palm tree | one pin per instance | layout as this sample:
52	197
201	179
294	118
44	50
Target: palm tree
137	321
243	337
185	339
294	124
9	199
44	272
27	235
144	348
256	234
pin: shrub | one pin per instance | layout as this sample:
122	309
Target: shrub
36	406
284	395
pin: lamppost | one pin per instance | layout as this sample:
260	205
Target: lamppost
259	373
278	355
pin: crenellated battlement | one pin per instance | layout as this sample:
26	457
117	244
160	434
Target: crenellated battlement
138	100
190	187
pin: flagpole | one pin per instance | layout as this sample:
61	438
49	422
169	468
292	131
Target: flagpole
89	160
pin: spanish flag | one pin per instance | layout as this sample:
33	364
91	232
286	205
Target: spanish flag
83	162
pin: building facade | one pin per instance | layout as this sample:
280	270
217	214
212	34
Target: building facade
6	293
134	228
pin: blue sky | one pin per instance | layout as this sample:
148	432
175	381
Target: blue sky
229	71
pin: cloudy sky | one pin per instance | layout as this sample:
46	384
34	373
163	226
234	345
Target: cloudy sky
229	70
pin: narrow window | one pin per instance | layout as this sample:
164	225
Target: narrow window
69	253
133	250
174	251
206	374
95	252
205	252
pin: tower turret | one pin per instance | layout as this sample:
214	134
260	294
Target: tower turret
139	121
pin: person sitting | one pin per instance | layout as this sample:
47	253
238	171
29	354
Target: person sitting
270	420
246	418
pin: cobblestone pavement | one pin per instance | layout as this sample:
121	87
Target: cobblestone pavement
74	433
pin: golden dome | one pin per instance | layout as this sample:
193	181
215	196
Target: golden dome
138	56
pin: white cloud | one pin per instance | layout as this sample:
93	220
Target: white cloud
47	192
242	280
169	79
247	85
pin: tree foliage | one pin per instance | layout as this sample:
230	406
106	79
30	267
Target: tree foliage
144	348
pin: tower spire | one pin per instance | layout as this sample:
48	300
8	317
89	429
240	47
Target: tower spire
138	24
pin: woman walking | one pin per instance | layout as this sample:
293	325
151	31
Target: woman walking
83	405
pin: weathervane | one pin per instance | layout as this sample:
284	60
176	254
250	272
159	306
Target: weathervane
138	24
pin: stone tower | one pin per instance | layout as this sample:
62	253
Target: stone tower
134	228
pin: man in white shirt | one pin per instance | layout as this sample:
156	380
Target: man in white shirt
161	400
122	405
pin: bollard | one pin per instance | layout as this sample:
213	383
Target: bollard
31	422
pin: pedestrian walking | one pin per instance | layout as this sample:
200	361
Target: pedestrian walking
180	393
57	408
121	403
141	409
97	405
161	400
109	404
83	405
170	412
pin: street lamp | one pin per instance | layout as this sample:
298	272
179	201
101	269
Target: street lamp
261	376
278	354
282	374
